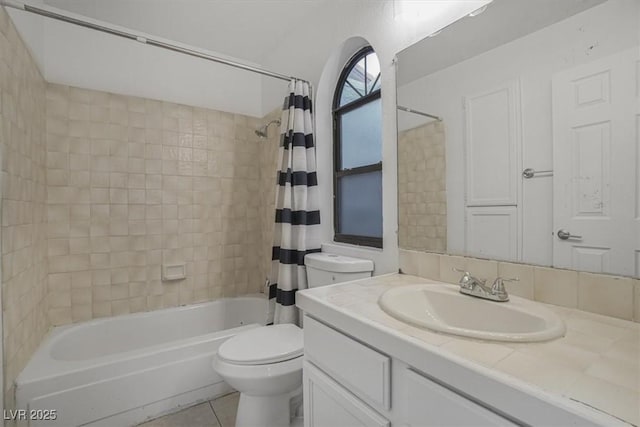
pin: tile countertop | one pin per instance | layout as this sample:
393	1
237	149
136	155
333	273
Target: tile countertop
597	362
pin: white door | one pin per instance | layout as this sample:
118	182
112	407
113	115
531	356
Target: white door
595	165
493	144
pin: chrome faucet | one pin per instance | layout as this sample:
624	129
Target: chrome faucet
469	285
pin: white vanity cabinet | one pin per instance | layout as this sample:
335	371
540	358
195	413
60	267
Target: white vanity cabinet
347	383
363	367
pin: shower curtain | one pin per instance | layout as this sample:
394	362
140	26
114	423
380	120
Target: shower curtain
297	219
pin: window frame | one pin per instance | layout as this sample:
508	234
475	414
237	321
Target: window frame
337	113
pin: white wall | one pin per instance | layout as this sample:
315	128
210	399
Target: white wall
77	56
333	36
597	32
89	59
31	29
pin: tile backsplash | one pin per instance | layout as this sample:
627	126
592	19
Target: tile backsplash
596	293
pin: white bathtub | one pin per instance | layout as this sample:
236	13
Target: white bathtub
122	370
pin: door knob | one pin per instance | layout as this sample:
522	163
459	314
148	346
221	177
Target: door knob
565	235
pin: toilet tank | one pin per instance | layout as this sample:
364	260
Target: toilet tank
325	268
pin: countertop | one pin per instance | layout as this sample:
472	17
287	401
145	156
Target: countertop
596	363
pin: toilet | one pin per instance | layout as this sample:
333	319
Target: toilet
265	364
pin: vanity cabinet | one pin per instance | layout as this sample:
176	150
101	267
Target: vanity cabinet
347	383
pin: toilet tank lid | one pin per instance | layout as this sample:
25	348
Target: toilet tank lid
337	263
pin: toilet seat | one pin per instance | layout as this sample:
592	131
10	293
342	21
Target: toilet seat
263	345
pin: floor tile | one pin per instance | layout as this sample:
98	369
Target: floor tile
225	408
196	416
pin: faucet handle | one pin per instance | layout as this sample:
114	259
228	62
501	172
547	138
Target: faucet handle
465	279
466	275
498	284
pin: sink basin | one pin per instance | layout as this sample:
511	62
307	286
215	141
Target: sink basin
442	308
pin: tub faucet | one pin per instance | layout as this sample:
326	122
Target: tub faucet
469	285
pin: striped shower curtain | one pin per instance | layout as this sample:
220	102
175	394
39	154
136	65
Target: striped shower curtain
297	219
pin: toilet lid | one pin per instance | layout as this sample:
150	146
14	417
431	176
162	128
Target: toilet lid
263	345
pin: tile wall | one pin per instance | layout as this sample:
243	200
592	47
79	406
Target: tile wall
133	184
596	293
422	197
23	180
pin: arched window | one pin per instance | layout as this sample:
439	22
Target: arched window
357	137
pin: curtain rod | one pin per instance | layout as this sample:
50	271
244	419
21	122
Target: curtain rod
409	110
141	39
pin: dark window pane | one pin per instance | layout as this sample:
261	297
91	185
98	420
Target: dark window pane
361	136
361	204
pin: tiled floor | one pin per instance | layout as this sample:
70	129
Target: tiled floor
220	412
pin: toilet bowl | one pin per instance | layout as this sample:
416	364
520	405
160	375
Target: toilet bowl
265	364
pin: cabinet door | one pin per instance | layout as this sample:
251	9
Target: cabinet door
430	404
360	369
327	404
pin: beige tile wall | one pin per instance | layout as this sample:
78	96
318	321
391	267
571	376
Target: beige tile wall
596	293
135	183
422	202
24	246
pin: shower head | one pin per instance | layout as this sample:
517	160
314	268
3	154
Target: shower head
262	132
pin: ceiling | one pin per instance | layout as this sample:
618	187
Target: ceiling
244	29
502	22
262	33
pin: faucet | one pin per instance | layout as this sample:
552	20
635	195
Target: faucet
470	285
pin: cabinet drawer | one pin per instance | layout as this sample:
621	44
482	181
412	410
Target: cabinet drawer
358	367
430	404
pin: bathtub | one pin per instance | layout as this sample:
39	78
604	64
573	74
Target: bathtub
120	371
